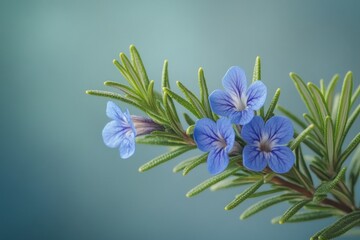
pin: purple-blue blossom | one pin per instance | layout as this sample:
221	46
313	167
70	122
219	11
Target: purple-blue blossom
266	144
217	139
237	102
122	130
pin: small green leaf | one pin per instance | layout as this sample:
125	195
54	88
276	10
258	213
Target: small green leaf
183	102
257	70
188	119
341	226
268	202
319	101
190	130
204	94
352	118
121	87
293	210
327	186
139	66
244	195
329	95
355	95
353	144
126	75
306	97
267	192
306	216
165	76
172	115
302	165
164	158
114	96
272	105
157	140
292	116
300	137
133	75
235	182
211	181
184	163
329	140
354	167
343	110
192	99
195	163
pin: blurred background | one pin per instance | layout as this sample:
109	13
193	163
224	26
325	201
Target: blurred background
57	178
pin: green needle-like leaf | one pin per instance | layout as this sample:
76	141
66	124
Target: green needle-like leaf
164	158
183	102
343	110
257	69
115	96
329	140
133	75
319	101
211	181
121	87
235	182
139	66
354	167
296	142
292	116
188	119
355	95
193	100
272	105
326	187
158	140
352	118
353	144
306	216
181	165
195	163
204	94
293	210
329	95
263	204
306	97
244	195
341	226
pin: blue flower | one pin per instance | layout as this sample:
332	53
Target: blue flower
237	102
120	132
266	144
217	139
123	129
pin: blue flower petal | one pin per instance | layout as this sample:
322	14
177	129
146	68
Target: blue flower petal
242	117
253	159
256	95
113	111
252	131
281	159
221	103
127	147
227	132
234	81
279	129
205	134
113	133
217	161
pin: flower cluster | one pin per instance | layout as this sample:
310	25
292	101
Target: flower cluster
237	105
264	141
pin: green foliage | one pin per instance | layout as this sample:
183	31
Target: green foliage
325	127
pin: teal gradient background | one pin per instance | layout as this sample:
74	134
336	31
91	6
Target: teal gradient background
57	178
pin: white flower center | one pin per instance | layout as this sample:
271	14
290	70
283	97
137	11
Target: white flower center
265	144
239	102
